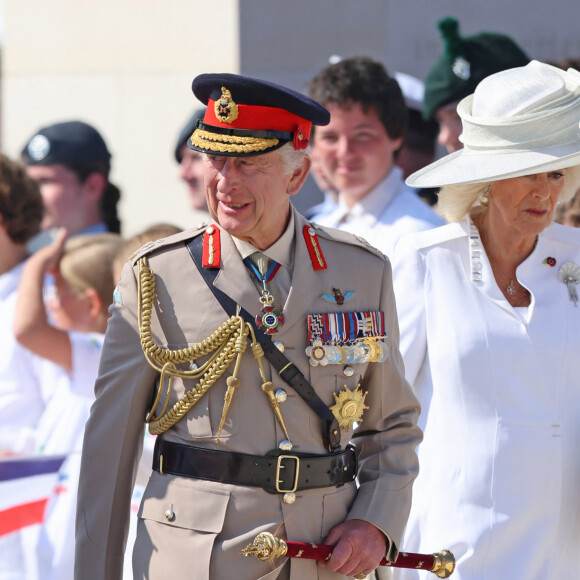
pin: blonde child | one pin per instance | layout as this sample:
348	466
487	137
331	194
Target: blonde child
67	329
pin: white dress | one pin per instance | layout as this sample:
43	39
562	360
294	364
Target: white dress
499	481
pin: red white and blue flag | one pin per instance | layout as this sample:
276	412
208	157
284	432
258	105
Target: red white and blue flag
26	485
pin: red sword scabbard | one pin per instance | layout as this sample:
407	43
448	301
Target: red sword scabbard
267	547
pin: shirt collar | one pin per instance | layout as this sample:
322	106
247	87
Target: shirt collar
374	203
98	228
281	250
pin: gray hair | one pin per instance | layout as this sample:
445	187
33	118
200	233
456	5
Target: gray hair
291	158
456	201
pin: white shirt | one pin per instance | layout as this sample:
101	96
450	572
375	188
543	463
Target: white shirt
386	214
499	389
26	383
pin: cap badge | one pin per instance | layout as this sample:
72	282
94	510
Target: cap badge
38	147
461	68
226	109
300	140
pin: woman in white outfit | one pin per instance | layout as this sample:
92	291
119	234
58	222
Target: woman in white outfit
490	334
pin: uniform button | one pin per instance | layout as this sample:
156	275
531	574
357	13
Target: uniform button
311	231
285	445
280	395
169	515
348	371
279	345
289	498
209	230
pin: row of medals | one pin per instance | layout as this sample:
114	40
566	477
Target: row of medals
362	351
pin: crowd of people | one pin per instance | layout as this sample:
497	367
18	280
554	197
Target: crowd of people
409	383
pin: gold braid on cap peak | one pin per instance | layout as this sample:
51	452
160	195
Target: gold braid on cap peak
230	143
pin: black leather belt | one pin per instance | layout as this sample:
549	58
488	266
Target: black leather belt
276	472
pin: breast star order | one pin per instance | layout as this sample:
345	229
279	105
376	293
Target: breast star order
349	406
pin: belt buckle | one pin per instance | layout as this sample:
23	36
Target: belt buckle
279	466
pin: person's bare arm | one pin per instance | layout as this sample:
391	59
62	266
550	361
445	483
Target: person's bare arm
32	328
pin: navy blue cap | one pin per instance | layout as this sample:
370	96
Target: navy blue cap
247	116
186	132
67	143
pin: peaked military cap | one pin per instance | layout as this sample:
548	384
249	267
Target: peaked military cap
247	116
466	60
69	142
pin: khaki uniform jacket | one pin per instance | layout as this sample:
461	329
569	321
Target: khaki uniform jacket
214	521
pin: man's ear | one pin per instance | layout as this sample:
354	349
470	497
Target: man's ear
95	185
299	177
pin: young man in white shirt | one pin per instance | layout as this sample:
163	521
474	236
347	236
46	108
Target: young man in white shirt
357	150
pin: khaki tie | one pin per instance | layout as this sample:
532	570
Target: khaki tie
263	263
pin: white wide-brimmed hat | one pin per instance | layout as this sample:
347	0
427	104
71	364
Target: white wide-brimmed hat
517	122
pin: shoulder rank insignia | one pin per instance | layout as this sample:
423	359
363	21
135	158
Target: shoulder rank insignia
226	109
211	254
349	406
316	256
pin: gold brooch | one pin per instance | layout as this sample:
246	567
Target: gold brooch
349	406
226	109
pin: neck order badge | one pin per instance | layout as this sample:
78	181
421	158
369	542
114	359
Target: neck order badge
264	271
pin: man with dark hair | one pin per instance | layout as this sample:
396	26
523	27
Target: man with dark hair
309	436
357	151
466	60
71	163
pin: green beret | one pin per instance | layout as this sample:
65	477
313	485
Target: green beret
465	62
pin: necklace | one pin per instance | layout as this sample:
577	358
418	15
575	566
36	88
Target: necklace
515	294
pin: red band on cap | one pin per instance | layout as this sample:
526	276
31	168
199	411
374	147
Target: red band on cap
259	118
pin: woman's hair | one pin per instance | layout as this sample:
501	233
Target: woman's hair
456	201
87	262
21	205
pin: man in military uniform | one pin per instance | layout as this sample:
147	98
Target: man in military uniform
263	351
